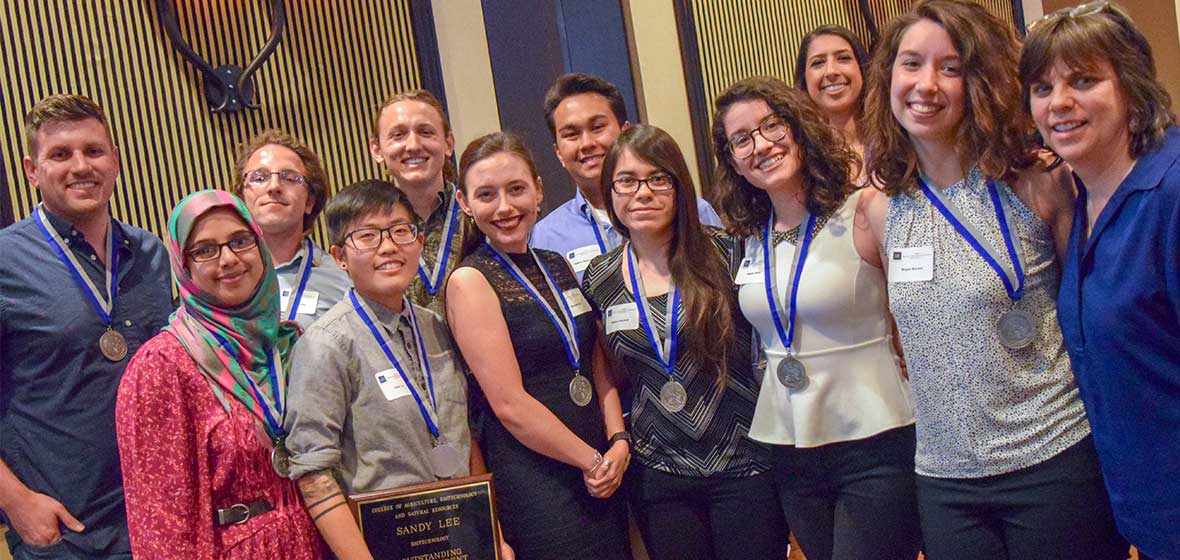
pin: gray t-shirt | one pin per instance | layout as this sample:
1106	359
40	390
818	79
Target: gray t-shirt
339	416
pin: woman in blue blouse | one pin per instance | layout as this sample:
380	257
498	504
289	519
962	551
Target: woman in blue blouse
1090	83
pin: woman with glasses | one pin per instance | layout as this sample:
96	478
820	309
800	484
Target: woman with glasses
378	399
283	184
830	67
833	404
1090	84
971	228
670	320
541	406
200	407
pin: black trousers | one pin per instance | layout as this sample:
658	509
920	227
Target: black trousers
1057	509
852	500
713	518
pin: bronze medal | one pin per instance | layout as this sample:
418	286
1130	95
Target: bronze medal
112	345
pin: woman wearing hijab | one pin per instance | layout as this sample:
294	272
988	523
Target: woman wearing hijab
199	409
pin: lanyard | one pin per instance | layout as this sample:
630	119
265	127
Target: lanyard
432	278
272	414
1013	278
601	237
304	274
785	334
567	326
103	303
383	341
665	347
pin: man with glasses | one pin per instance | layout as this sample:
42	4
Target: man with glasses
585	114
79	293
283	184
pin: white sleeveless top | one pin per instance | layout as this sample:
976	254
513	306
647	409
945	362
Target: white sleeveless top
842	336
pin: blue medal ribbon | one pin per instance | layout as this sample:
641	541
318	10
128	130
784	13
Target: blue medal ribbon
567	326
303	276
105	306
785	334
272	412
1013	281
666	349
432	279
599	238
381	340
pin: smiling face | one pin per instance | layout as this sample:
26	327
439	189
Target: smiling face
926	88
773	165
231	278
74	169
277	206
834	81
503	197
1082	114
643	212
412	144
385	273
586	127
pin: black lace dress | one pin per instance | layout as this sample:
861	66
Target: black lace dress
543	505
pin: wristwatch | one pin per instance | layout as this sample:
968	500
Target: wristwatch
621	436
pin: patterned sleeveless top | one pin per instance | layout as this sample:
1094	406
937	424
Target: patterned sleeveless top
981	408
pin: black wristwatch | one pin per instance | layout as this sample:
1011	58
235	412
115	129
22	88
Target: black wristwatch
621	436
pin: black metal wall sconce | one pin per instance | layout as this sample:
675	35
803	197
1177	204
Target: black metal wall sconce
229	88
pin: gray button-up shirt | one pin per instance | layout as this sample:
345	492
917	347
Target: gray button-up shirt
326	285
339	417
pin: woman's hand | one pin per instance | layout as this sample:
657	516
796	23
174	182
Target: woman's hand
604	479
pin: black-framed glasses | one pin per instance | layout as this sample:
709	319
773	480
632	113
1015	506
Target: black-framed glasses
657	182
367	239
772	129
260	178
1081	10
206	252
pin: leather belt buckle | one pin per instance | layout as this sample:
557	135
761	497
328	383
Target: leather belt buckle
238	514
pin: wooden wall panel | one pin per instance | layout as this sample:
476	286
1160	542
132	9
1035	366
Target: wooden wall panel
338	59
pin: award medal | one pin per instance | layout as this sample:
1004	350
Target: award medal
581	390
790	371
444	458
280	459
1016	328
432	278
304	274
272	412
111	343
673	395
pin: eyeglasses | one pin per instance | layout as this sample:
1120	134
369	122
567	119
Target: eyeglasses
206	252
260	178
630	185
772	129
367	239
1081	10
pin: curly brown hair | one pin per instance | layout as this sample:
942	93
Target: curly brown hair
697	266
1108	35
315	179
995	131
827	161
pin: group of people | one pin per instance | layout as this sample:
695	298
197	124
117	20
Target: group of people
937	308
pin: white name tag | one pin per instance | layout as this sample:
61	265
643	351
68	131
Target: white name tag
911	264
750	272
392	385
580	258
577	301
621	317
308	304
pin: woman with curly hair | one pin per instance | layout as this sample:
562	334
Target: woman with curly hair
971	226
834	404
830	67
1090	83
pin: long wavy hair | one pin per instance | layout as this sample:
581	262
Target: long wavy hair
858	52
828	163
697	266
995	131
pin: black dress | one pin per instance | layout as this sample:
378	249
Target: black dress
543	505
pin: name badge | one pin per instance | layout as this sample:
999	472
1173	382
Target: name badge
750	272
577	301
309	303
580	258
621	317
392	385
911	264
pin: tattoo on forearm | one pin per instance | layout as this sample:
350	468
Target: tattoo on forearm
317	486
321	502
326	510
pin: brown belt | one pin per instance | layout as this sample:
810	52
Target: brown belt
240	513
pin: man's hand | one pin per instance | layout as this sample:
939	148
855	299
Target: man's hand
37	518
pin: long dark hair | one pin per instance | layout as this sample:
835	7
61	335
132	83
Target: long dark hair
858	51
697	266
478	150
827	161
